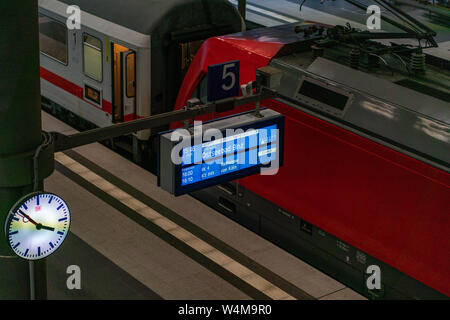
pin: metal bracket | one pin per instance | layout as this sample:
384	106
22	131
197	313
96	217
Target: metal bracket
63	142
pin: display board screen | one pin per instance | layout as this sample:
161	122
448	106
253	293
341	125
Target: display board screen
229	154
246	145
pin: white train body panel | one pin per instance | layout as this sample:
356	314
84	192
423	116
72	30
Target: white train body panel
143	36
70	93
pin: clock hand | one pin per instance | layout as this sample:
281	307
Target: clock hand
40	226
28	217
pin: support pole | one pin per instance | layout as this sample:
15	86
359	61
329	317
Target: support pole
20	134
242	5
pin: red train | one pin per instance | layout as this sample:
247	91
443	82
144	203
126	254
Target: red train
365	181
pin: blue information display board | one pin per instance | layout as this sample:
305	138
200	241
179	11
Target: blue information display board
223	80
245	145
230	154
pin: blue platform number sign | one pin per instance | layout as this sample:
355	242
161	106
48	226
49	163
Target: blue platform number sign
223	80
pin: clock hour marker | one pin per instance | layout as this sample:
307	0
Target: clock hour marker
62	219
37	200
60	206
26	252
17	244
51	198
39	251
25	206
60	232
14	232
15	219
51	244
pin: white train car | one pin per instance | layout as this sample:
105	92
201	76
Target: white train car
127	59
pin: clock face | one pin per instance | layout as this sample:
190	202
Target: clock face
37	225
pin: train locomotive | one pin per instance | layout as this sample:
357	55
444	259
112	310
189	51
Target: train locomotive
366	177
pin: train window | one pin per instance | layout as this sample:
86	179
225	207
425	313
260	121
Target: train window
131	75
188	52
53	39
92	57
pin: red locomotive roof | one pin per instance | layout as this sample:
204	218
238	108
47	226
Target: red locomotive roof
254	52
254	48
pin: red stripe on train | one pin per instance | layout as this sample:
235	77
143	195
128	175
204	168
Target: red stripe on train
71	88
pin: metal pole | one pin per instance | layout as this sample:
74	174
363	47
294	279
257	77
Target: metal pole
32	281
242	4
20	134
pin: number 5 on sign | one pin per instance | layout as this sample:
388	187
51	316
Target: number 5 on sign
223	80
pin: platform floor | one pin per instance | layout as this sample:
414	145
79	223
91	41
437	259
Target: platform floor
133	240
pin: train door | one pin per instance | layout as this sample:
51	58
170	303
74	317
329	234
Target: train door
188	52
128	78
176	59
124	83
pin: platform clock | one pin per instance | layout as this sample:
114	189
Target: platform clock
37	225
